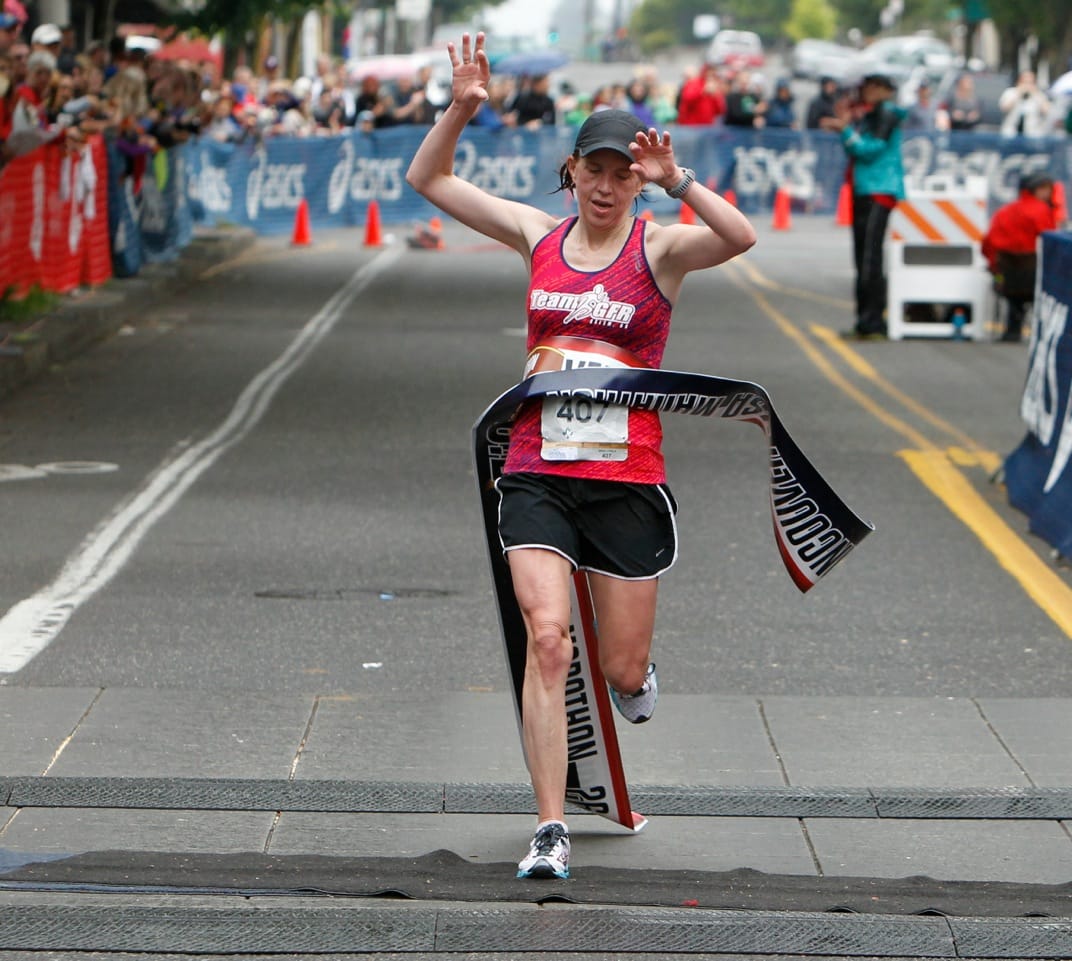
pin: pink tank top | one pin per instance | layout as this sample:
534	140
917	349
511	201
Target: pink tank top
619	305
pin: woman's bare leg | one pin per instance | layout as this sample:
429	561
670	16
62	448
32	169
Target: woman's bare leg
541	581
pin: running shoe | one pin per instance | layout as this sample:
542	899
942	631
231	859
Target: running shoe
548	855
638	707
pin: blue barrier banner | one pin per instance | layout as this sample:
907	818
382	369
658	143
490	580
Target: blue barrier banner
163	209
261	185
1038	474
122	216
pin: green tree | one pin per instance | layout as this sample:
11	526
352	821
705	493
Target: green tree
765	17
859	14
241	21
1049	20
659	24
237	18
811	18
662	23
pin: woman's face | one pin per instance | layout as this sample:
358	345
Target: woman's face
604	186
39	78
64	90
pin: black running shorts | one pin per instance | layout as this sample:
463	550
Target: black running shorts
608	527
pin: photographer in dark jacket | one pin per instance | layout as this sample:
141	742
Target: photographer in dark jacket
823	107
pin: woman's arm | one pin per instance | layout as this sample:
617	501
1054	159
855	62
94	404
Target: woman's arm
431	172
676	249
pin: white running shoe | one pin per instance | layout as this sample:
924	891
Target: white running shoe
548	855
638	707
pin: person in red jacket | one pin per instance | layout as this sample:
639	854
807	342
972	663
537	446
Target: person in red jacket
1009	247
702	99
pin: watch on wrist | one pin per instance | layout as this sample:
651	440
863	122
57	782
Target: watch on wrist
678	191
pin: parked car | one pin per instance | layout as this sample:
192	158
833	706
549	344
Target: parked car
736	48
811	59
904	58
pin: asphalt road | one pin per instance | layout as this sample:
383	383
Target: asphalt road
265	484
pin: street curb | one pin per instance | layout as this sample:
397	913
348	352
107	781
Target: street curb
79	323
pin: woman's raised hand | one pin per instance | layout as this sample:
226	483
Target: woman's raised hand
471	71
653	158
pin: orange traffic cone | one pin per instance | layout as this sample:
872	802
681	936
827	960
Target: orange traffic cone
435	225
687	215
782	219
428	236
373	230
730	196
844	206
1060	204
302	236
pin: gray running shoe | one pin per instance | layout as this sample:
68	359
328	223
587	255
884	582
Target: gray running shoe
638	707
548	855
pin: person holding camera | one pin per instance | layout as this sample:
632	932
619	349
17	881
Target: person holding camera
1025	108
870	131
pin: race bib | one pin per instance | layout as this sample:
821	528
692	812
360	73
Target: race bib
578	427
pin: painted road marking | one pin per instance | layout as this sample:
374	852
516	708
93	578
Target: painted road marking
12	472
937	469
33	623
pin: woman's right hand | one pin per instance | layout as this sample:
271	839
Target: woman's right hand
471	72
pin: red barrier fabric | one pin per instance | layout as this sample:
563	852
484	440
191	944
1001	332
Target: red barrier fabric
54	220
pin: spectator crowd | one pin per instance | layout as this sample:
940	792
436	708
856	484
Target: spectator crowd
52	90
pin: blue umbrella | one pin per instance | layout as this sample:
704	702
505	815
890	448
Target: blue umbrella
530	64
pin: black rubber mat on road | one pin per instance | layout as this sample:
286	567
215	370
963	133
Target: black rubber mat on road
444	876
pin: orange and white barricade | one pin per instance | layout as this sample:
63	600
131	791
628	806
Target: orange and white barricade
935	259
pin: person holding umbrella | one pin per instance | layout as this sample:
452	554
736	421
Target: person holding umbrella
577	495
534	107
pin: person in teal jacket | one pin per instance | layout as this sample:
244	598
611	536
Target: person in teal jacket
871	136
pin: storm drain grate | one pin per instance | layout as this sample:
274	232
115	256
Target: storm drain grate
997	804
410	929
226	794
168	930
668	931
208	794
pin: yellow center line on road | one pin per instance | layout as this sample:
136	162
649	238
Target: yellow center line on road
1041	583
761	280
937	469
867	371
831	373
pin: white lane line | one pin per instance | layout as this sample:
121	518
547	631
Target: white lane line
33	623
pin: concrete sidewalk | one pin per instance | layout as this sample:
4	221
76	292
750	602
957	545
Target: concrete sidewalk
82	319
951	788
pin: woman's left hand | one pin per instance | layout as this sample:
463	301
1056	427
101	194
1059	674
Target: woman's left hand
653	158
